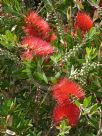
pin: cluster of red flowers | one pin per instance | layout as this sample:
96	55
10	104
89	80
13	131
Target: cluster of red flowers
38	34
83	22
38	37
65	109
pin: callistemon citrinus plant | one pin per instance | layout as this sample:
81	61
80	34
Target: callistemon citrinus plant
50	68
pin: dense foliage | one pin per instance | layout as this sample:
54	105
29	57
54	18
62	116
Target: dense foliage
51	68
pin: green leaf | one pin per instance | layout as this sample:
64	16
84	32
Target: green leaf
88	51
56	58
58	75
41	77
92	32
8	40
77	103
45	78
53	80
93	109
87	102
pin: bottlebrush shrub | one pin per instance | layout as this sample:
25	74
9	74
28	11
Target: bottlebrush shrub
43	81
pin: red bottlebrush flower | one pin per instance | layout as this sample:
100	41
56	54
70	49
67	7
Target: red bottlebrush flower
68	111
64	88
83	22
39	24
28	41
29	30
27	55
37	45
